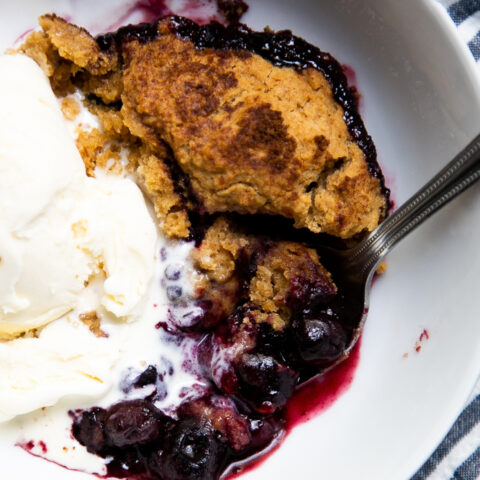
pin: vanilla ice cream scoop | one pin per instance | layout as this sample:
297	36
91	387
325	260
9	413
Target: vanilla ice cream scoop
58	227
69	244
38	161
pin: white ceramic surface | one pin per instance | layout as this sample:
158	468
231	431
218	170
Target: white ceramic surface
421	104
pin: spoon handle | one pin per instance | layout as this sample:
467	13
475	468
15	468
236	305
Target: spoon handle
453	179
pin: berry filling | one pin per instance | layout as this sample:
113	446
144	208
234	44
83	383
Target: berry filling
253	359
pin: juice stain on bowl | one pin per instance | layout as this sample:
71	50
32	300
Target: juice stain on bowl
320	394
200	11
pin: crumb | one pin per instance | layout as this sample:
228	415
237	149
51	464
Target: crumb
232	10
99	149
219	251
271	287
217	261
405	355
93	322
176	224
70	108
111	122
38	47
107	87
75	44
80	228
154	177
60	72
382	268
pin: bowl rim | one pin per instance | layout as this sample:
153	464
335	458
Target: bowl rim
467	382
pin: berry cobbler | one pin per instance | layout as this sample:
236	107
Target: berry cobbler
246	145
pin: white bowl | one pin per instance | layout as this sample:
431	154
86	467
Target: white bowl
421	104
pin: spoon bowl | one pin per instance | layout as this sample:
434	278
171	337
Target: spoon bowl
354	269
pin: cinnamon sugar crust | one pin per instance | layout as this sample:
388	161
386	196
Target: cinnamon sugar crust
218	131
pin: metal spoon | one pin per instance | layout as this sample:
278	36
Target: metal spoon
356	266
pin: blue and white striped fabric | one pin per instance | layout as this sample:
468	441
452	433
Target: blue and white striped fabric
458	456
466	15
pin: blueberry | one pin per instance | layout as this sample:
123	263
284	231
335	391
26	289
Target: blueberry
193	451
306	292
147	377
271	341
126	463
320	339
173	272
132	423
265	382
174	293
222	413
89	430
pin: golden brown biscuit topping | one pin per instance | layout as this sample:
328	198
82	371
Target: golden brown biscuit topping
252	137
249	136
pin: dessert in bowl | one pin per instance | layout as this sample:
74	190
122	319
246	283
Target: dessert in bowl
224	129
243	315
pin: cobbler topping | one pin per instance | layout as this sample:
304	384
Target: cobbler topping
282	49
231	123
242	172
225	136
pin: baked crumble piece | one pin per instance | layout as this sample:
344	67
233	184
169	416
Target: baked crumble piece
232	10
249	136
93	322
252	137
73	61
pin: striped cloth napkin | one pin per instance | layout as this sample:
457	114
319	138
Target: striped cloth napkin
458	456
466	15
